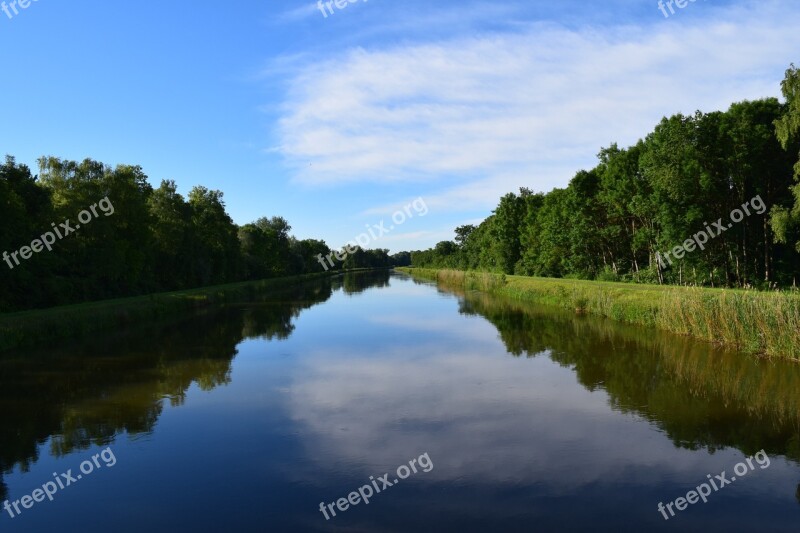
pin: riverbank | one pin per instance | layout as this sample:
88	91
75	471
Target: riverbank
28	328
760	323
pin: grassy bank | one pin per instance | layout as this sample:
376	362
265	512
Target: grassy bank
766	323
28	328
687	376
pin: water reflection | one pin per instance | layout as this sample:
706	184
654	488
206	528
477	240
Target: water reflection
526	413
701	395
88	393
520	426
357	282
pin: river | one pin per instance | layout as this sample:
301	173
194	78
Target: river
375	402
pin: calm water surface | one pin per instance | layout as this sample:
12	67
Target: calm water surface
526	419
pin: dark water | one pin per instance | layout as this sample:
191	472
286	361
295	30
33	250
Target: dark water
517	419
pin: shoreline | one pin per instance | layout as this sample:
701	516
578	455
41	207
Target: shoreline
36	327
756	323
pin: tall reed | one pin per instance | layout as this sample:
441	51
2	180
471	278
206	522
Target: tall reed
760	322
766	323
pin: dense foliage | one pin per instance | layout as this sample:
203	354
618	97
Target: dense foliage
612	221
155	239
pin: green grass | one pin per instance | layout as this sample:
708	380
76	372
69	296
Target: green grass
764	323
29	328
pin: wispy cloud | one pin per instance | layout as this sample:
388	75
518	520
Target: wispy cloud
302	12
475	117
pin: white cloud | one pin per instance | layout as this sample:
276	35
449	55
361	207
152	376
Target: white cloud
496	420
484	115
299	13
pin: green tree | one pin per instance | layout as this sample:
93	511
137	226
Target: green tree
305	255
216	256
505	230
785	221
25	212
172	236
756	165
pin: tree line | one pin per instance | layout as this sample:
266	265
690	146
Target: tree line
156	240
612	222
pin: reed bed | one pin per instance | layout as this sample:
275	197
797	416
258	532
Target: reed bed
757	322
763	323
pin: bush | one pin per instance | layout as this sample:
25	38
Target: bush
608	274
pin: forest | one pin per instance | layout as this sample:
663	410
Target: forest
156	240
612	222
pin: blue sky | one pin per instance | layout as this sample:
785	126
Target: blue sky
335	122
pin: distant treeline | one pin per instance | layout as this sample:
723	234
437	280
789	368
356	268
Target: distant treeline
156	240
611	222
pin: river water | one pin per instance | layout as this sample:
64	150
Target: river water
444	410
